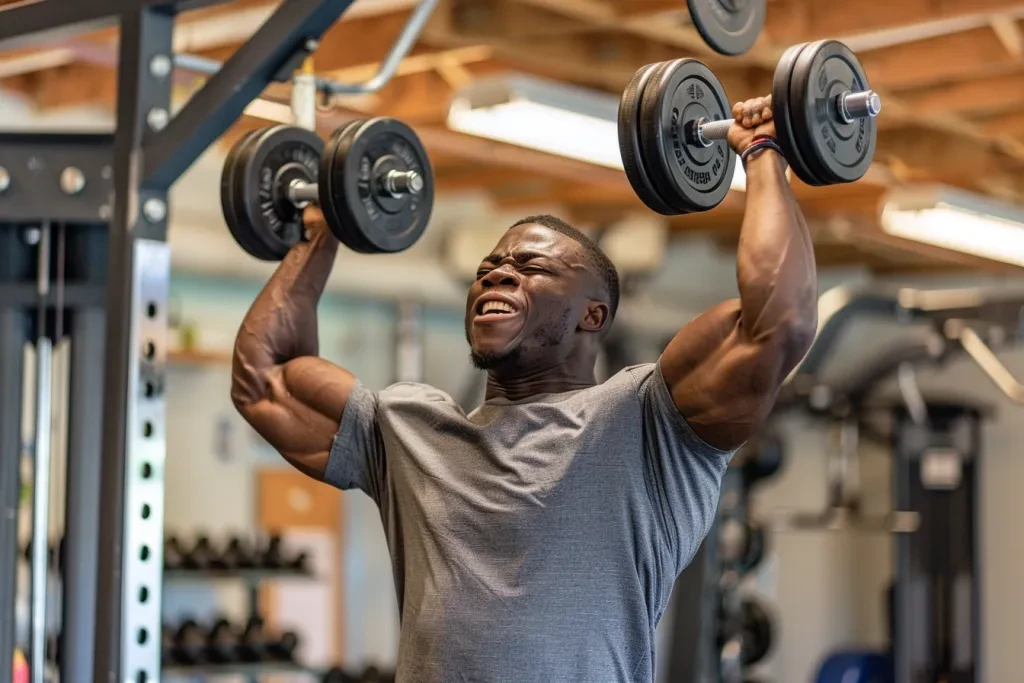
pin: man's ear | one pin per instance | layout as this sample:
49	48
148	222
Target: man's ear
595	316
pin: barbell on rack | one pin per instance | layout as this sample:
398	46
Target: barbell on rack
674	119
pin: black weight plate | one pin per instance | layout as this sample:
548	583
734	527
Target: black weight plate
264	169
629	143
757	632
351	237
245	238
783	115
370	215
838	152
327	206
688	177
729	27
802	138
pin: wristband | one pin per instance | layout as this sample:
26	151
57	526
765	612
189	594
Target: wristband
758	146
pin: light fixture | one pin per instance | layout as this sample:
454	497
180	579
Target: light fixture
548	116
956	220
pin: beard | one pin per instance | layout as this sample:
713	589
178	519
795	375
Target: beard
490	360
551	335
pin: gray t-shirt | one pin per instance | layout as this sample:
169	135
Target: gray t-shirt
532	541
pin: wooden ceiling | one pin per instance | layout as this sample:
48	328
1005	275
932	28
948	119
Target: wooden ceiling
951	73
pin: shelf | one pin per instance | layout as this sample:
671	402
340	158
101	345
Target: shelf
199	357
247	670
247	575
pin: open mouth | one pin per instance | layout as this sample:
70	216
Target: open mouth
494	310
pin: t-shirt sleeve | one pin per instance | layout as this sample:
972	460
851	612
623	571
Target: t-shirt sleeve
684	474
357	455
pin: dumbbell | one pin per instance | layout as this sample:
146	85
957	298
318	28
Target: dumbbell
372	181
741	544
199	557
252	646
338	675
188	643
237	554
755	633
283	649
174	553
222	643
674	118
761	458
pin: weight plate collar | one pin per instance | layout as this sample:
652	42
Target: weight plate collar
729	27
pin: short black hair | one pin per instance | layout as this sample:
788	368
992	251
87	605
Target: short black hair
597	260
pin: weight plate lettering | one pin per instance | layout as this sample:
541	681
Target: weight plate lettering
257	206
837	151
374	216
629	143
729	27
689	177
783	115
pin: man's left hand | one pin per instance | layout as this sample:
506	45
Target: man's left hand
753	118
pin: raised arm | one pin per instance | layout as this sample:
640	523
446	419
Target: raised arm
724	368
290	396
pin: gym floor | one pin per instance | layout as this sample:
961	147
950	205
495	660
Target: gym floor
951	75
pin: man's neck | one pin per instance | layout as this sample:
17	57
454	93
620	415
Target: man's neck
554	380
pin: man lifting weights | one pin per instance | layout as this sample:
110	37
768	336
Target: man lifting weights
537	538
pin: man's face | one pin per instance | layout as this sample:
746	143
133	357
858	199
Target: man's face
528	300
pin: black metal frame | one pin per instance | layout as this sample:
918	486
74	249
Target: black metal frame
114	296
937	592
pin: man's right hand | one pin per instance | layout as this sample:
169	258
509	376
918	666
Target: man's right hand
752	118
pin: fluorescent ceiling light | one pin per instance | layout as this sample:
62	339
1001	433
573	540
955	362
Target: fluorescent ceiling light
956	220
547	116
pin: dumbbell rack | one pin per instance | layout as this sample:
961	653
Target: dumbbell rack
253	579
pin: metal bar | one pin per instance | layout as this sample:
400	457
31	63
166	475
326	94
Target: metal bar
24	22
989	363
81	534
223	98
127	624
41	467
399	50
406	39
13	337
34	165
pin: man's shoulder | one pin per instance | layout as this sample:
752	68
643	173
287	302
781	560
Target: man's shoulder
406	392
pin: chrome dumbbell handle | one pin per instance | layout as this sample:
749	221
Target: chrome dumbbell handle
395	183
850	106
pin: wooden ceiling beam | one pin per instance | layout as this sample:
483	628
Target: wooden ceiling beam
794	21
1009	33
937	60
977	96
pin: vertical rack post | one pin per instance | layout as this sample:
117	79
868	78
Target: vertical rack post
82	530
134	440
13	337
